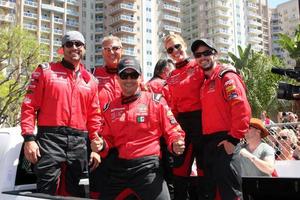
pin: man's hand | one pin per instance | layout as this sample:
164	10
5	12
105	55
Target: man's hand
97	144
95	160
32	151
178	146
228	146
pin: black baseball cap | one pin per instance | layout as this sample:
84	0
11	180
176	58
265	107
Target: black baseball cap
202	42
129	63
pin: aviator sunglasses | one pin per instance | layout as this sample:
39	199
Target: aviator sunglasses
171	49
132	75
70	44
204	53
113	48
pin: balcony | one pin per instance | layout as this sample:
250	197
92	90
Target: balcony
252	22
255	40
53	8
72	23
7	18
222	5
57	31
8	4
171	18
222	14
123	19
72	12
222	41
254	31
30	15
99	30
128	41
45	18
128	7
221	22
129	52
31	4
221	31
172	28
45	29
58	20
73	2
30	27
45	40
124	29
57	43
113	2
171	8
99	9
176	1
223	50
254	15
252	6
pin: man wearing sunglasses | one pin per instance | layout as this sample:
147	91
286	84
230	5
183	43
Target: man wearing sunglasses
134	123
257	157
108	88
62	97
225	118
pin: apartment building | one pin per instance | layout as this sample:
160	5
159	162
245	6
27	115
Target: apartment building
50	19
141	25
228	23
285	19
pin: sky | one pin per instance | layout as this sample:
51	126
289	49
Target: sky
274	3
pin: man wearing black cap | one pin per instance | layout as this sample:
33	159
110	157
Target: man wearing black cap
63	98
134	124
225	118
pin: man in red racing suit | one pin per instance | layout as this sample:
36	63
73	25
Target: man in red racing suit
63	98
134	124
226	116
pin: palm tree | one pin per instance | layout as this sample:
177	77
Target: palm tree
292	46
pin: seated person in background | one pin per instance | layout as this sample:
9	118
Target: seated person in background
256	157
286	144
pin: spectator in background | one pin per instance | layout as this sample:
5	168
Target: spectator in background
158	84
266	118
257	158
286	144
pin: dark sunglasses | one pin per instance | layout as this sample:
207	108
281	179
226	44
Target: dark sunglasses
132	75
204	53
114	48
171	49
70	44
284	137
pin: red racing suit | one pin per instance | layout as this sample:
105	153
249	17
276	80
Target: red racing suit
225	105
184	85
57	96
108	85
134	126
159	86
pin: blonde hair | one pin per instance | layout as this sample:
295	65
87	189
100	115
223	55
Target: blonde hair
174	36
111	38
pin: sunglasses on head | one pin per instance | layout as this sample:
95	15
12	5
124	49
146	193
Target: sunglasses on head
284	137
70	44
171	49
114	48
132	75
204	53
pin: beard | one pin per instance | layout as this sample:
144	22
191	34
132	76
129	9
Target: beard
207	66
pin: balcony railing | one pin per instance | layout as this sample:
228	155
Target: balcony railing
8	17
31	3
31	15
8	4
171	8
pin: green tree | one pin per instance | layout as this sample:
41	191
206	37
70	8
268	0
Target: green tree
292	45
19	55
255	68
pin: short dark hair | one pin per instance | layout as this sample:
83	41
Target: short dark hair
160	66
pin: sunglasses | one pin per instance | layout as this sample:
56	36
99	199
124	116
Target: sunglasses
284	137
70	44
171	49
132	75
204	53
114	48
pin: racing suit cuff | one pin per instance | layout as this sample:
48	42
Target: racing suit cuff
28	138
233	140
104	145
